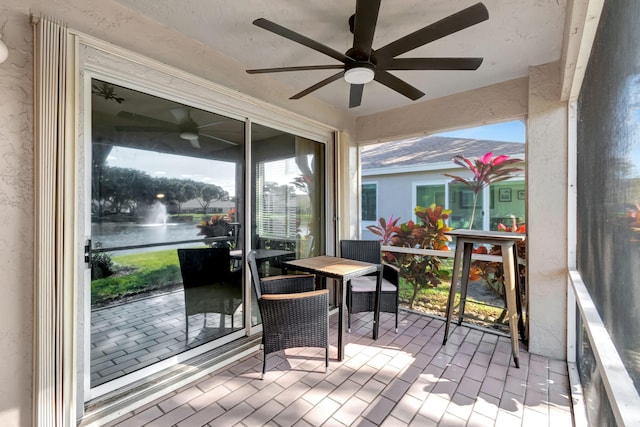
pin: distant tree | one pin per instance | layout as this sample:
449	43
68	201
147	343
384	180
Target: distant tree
124	189
121	188
210	192
187	192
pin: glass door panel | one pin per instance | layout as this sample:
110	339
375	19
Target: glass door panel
288	210
166	221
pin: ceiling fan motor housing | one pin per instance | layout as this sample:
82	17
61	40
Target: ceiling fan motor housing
359	72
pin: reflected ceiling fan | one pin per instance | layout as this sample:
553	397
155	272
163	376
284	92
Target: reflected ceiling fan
362	64
185	126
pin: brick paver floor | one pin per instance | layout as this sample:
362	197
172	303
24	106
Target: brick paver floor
132	335
408	378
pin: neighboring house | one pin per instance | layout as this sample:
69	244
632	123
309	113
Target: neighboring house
194	206
398	176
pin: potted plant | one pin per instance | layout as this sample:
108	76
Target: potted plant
217	226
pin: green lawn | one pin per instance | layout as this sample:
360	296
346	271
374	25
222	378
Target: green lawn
138	273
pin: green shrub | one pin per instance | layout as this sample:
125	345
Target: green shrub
102	266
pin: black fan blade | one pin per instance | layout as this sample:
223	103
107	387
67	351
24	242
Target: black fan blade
355	95
449	25
365	25
318	85
301	68
226	141
431	64
398	85
145	120
303	40
143	128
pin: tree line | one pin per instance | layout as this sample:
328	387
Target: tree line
117	190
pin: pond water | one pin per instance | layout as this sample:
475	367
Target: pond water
123	234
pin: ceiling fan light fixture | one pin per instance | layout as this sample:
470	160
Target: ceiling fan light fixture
359	75
189	136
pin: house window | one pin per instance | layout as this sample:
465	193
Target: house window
369	202
426	195
461	203
506	203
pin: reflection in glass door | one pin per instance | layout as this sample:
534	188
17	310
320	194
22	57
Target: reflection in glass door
289	199
166	222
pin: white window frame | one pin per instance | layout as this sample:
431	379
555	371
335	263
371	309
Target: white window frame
364	223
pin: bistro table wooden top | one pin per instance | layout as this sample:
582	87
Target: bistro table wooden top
331	266
504	236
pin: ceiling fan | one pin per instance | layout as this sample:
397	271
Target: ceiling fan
362	64
185	126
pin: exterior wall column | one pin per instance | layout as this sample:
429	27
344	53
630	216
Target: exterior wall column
547	184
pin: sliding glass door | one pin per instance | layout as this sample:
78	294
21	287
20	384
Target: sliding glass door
167	220
167	209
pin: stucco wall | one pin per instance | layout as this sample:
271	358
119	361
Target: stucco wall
547	160
16	208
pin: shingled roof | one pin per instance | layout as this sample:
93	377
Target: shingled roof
432	149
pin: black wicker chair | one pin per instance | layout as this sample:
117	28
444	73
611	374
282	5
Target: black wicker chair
293	313
210	285
361	291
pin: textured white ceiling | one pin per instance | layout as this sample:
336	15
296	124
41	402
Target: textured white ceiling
518	34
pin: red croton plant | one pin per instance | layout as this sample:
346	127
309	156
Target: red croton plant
428	233
486	170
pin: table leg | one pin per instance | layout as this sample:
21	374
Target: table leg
464	280
376	308
521	326
452	290
341	296
510	292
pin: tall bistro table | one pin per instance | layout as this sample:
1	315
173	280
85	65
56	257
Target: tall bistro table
343	270
465	239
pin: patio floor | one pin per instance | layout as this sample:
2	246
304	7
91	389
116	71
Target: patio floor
130	336
408	378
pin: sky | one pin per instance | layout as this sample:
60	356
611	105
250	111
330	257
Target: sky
508	132
161	165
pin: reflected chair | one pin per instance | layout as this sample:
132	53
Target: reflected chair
210	285
361	291
293	313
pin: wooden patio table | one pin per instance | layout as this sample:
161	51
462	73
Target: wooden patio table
465	239
343	270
